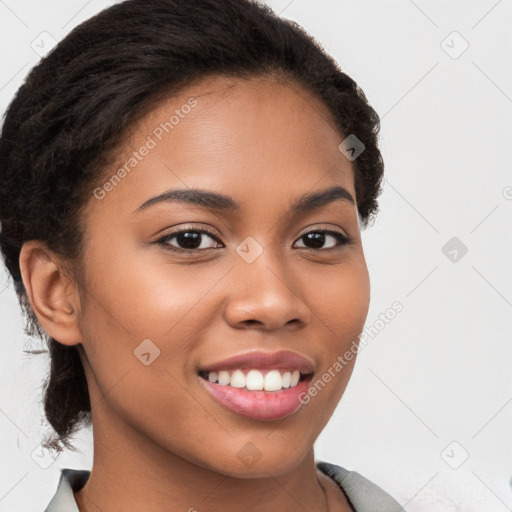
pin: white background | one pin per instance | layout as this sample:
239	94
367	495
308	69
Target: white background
440	371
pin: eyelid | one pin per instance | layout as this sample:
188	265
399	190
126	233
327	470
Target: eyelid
328	228
201	228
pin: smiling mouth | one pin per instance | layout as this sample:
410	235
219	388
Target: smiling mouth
262	386
263	395
253	379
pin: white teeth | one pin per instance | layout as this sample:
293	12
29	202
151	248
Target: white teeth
273	381
254	380
224	378
238	379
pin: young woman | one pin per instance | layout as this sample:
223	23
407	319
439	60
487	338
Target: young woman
183	186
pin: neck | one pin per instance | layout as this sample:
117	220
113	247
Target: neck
132	473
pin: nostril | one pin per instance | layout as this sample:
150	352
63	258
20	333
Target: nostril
252	322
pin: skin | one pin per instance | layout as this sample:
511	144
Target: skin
161	442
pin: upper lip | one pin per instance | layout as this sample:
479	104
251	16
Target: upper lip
258	359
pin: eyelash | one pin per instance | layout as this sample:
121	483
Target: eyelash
342	240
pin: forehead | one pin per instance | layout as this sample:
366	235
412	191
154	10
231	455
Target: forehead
252	137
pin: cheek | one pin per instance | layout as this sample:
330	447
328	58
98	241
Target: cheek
124	306
340	300
340	296
132	298
146	294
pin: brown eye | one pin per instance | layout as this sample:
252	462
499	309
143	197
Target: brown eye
189	240
317	240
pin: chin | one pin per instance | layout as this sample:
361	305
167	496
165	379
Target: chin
261	458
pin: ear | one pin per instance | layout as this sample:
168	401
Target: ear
52	293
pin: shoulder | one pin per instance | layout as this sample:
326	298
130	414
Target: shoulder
70	480
364	495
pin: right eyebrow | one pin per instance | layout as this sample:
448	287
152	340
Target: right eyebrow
204	198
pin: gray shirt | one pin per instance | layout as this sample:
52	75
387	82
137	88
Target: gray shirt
363	495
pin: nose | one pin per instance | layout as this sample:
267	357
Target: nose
265	295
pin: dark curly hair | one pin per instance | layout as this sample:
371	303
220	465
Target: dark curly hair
77	104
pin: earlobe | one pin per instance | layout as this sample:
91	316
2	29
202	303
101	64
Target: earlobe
51	292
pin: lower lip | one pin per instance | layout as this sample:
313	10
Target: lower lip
259	405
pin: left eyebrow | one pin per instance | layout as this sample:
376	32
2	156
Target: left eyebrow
214	201
316	199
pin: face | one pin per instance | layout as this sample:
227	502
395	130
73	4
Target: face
176	286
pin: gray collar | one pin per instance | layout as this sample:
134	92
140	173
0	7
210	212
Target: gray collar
363	495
